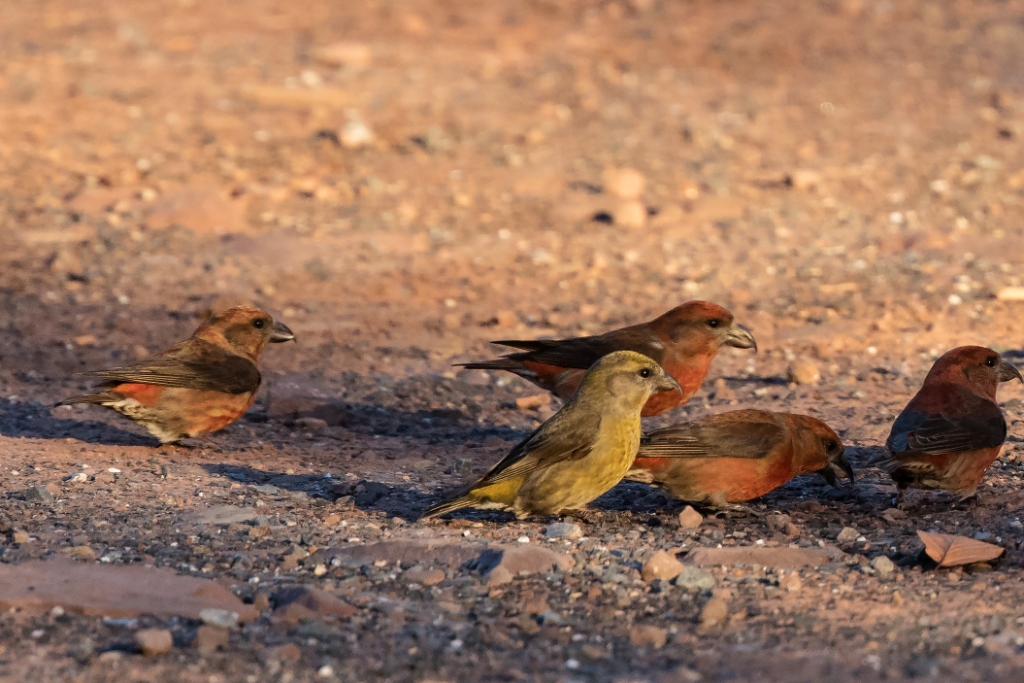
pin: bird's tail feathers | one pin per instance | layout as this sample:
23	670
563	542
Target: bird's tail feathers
447	506
97	399
496	364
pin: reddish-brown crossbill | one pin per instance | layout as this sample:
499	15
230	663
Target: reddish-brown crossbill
197	386
684	341
953	429
737	456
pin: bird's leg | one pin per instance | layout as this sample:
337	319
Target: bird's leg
968	499
584	514
899	500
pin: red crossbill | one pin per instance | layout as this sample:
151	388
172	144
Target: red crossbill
684	341
737	456
952	430
197	386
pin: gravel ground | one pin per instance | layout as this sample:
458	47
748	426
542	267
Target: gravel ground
401	182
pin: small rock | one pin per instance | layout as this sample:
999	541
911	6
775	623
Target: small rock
760	556
565	530
356	133
221	515
311	424
533	402
624	183
215	616
20	537
303	603
630	214
804	179
791	582
643	635
690	518
897	599
714	612
261	602
778	521
661	565
110	657
683	674
38	494
424	576
883	565
345	53
804	372
1011	294
333	519
211	638
289	652
501	565
692	578
848	535
5	524
154	642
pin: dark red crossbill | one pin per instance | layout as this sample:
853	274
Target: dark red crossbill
953	429
581	452
684	341
197	386
738	456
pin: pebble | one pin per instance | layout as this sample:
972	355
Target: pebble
883	565
311	424
661	565
693	578
624	183
714	611
345	53
424	576
533	402
210	638
356	133
848	535
778	521
630	214
565	530
501	565
791	582
154	642
643	635
690	518
215	616
804	372
38	494
289	652
804	178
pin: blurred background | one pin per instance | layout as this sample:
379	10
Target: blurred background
401	181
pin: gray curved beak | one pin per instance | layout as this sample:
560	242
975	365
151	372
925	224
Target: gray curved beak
280	333
668	383
741	338
839	465
1008	371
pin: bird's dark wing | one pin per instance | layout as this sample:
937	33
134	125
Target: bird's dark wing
750	434
980	425
582	352
564	437
195	364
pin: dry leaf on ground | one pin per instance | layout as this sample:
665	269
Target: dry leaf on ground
954	551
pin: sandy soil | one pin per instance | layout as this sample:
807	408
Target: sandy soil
401	182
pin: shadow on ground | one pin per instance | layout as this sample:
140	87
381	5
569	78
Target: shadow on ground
38	421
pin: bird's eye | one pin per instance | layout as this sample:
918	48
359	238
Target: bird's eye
258	324
991	361
714	323
645	372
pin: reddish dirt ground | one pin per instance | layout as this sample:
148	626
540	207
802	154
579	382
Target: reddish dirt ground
401	182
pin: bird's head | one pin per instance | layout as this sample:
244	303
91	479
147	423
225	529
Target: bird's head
245	329
705	326
821	450
975	366
629	378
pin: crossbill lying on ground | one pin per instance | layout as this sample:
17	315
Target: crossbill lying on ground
738	456
684	341
952	430
581	452
197	386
